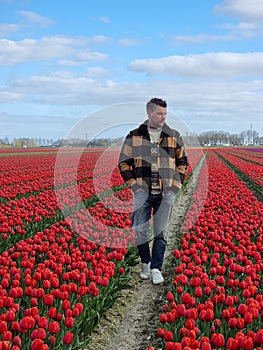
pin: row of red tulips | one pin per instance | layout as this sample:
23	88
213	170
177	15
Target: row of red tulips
248	155
53	288
27	173
252	170
55	284
216	299
32	211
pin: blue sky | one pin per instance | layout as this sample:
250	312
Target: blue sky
63	61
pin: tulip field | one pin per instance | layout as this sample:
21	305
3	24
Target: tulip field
55	283
215	299
67	249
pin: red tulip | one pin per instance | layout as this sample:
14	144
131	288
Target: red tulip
181	310
68	338
206	346
259	337
229	301
52	312
69	322
53	327
161	332
190	324
187	299
218	340
198	292
170	297
27	322
48	299
217	323
232	344
168	336
10	316
173	346
38	333
242	309
248	318
42	322
65	305
52	340
248	343
182	279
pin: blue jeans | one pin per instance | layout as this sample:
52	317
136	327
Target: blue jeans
160	205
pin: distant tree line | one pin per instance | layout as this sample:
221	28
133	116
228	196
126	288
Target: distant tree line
207	138
26	142
222	138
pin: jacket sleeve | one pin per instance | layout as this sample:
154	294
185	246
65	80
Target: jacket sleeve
126	164
181	159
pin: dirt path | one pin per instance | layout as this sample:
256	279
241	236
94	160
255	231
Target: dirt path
133	322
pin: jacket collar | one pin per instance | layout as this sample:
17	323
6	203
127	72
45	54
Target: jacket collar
143	128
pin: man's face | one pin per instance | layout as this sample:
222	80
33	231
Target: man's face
157	117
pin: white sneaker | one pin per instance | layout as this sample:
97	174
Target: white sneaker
145	273
157	276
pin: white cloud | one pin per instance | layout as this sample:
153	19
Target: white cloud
83	89
34	18
128	42
202	39
15	125
30	19
250	14
98	39
230	106
98	72
30	50
6	29
222	65
104	19
246	10
83	57
7	96
233	32
220	90
202	104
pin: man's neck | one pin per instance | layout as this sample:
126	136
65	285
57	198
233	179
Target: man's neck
152	127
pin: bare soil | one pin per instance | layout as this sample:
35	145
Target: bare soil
132	323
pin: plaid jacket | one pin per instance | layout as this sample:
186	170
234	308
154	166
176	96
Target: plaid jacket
135	159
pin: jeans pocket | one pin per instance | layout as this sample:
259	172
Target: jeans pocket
139	198
169	197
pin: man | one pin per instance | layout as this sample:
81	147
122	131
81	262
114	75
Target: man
153	164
